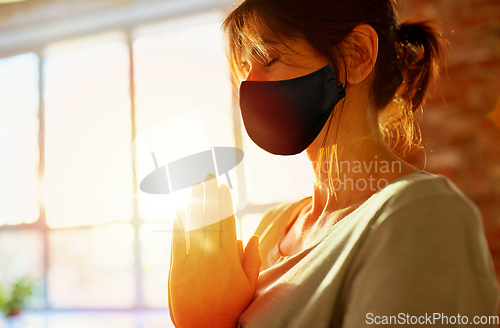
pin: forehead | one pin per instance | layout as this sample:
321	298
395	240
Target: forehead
289	47
251	35
263	47
250	32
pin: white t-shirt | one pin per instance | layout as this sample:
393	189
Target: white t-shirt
415	250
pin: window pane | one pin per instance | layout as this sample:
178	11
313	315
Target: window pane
277	178
92	267
88	177
178	71
86	320
248	224
155	263
21	255
19	125
93	319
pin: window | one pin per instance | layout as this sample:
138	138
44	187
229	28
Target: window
75	221
19	123
88	166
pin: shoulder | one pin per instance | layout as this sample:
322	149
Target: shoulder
423	185
429	211
426	198
428	241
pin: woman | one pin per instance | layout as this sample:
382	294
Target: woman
379	241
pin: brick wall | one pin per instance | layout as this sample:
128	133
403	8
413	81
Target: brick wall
461	123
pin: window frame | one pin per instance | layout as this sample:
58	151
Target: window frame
40	224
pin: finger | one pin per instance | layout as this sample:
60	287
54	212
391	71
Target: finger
196	231
177	243
168	288
211	213
240	251
228	224
178	250
170	309
252	262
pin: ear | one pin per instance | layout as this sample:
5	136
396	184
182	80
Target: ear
362	51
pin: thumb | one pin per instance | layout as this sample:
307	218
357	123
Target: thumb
252	262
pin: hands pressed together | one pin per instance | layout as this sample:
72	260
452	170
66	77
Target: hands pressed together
212	279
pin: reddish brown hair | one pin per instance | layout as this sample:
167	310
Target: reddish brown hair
407	60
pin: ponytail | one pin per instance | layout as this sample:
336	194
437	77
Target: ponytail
419	48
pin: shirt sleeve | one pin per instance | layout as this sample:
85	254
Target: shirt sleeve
427	259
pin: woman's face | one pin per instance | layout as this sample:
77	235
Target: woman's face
286	61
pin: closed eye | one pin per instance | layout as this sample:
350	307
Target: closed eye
272	61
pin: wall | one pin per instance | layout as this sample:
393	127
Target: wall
461	123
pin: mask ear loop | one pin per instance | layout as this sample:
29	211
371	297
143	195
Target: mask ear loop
341	93
341	88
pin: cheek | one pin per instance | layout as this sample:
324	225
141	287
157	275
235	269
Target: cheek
272	73
256	73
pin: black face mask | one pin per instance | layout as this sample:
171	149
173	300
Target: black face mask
284	117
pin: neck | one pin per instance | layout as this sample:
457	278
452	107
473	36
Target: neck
360	165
